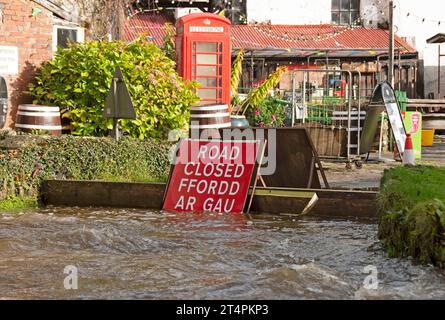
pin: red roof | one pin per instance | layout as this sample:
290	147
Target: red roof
313	37
149	24
295	37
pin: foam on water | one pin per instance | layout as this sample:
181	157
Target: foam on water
149	255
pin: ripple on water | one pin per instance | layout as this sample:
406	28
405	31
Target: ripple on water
142	254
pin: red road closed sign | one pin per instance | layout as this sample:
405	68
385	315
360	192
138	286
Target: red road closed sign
211	176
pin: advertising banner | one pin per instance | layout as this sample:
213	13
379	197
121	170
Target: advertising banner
413	125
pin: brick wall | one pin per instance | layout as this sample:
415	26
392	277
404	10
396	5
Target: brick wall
33	37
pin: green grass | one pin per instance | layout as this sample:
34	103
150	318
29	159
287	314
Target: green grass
404	187
412	213
15	204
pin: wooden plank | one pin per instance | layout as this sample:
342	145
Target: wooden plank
56	7
430	124
433	115
331	203
286	193
426	101
102	194
425	106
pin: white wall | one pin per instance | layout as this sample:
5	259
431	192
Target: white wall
374	12
418	32
371	12
289	11
412	26
180	12
307	11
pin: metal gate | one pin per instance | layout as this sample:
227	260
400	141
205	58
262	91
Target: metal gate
332	113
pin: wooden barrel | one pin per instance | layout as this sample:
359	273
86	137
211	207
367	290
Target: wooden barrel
36	118
208	119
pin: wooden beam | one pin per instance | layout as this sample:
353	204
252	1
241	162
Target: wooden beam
57	9
426	101
331	203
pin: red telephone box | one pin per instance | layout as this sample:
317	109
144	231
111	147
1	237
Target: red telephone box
204	54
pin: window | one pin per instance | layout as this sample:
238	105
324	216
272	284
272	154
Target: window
207	70
345	11
62	35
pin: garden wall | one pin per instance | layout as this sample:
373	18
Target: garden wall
26	160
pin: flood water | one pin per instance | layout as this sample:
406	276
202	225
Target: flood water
138	254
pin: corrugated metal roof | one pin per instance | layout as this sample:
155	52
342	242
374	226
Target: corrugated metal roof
287	37
313	37
146	24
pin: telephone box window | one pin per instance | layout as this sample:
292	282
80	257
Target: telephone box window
207	70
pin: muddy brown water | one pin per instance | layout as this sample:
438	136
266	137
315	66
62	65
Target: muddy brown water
139	254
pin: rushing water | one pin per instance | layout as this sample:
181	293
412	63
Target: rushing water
137	254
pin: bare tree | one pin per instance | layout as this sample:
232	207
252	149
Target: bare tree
104	18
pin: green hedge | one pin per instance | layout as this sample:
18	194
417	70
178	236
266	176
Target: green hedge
412	213
26	160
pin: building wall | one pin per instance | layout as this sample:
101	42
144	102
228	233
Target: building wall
33	38
289	11
374	13
417	32
309	11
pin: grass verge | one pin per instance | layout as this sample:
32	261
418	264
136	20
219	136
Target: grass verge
412	213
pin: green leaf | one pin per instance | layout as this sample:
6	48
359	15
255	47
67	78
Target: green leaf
79	77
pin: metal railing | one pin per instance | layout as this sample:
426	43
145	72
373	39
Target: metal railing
311	108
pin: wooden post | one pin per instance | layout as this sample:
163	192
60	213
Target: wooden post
391	44
257	175
438	75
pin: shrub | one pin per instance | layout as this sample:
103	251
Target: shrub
79	78
269	113
79	158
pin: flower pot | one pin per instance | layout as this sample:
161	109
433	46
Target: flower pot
427	137
239	122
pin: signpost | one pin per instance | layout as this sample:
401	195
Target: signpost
118	104
394	116
211	176
9	60
383	98
413	125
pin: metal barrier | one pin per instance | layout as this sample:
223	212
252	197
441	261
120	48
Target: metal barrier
339	117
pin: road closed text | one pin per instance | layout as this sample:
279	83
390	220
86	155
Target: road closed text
214	178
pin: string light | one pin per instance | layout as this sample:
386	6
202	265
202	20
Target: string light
338	30
423	19
335	30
